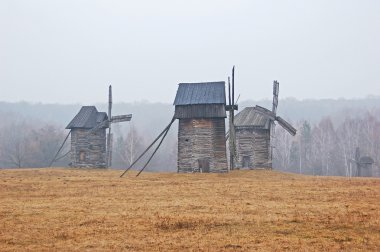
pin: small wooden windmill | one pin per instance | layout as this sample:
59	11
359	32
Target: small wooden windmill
90	145
254	129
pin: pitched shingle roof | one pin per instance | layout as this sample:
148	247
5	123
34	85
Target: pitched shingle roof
250	117
87	118
201	93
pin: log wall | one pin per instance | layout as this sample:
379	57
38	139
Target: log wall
91	145
200	111
255	144
202	141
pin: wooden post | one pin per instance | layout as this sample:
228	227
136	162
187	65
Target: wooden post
229	91
232	124
109	147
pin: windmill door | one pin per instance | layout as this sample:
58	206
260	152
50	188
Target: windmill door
246	161
82	156
204	165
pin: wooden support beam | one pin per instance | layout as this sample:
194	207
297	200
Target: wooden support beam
150	146
158	146
60	148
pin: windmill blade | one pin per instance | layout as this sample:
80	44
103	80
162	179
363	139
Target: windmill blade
229	92
109	101
289	128
276	90
121	118
237	101
233	85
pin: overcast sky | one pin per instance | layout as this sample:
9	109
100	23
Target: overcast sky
69	51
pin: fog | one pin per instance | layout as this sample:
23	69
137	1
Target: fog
70	51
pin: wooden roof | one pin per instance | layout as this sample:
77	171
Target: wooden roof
88	117
251	117
201	93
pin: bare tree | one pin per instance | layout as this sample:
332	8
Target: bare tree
15	151
128	147
348	135
44	144
304	140
324	143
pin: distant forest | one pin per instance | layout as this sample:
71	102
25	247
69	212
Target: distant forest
328	133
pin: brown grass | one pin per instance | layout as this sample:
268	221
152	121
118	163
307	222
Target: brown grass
94	210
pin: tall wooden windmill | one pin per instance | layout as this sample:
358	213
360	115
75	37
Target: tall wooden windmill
201	112
90	145
254	130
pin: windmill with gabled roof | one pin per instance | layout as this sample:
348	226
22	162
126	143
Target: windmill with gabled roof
91	146
254	131
201	111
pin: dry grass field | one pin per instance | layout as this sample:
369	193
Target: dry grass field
95	210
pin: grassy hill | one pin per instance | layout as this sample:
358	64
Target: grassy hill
68	209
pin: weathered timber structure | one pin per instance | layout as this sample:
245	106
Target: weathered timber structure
252	132
363	164
254	129
88	140
201	111
91	147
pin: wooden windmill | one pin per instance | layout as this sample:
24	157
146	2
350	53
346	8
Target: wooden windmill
90	145
201	112
254	130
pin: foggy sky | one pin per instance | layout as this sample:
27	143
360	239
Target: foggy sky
69	51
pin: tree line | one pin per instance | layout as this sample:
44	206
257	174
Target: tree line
25	144
328	147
